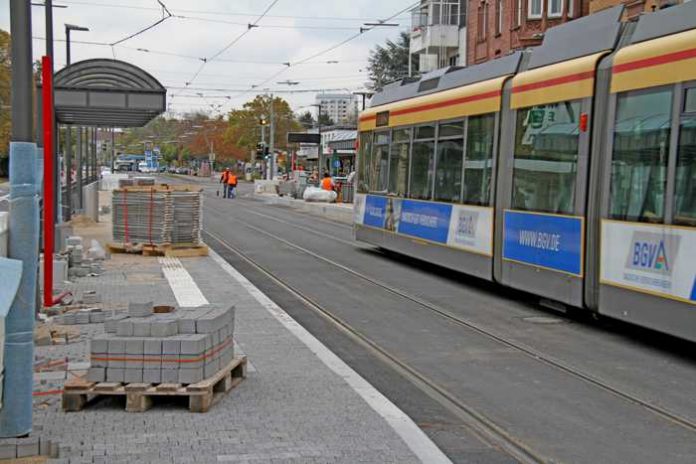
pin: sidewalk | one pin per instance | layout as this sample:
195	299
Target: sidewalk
299	403
341	212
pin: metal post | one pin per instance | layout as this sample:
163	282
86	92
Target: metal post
68	173
49	186
271	148
67	46
16	413
78	170
56	158
113	150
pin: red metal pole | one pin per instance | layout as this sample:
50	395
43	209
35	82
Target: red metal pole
47	90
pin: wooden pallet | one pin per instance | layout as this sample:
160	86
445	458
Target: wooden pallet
139	396
179	250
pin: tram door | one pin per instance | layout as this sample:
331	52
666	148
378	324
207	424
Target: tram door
541	209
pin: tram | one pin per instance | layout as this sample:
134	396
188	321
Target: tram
567	171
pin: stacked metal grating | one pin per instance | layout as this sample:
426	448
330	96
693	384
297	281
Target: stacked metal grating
142	215
187	217
185	346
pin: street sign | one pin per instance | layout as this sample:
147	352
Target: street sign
303	137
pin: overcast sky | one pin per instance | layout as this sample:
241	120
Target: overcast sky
292	31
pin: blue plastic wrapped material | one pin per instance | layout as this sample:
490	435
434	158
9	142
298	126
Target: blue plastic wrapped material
16	413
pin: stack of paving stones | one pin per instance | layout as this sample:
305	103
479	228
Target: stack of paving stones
142	215
187	217
78	264
185	346
17	448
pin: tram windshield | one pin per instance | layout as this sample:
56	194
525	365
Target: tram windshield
546	155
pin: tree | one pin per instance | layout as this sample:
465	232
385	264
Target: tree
307	120
389	63
325	120
5	85
244	130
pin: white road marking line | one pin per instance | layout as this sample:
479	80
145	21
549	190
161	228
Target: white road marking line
422	446
187	293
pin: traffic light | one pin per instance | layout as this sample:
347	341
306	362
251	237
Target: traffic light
260	151
263	121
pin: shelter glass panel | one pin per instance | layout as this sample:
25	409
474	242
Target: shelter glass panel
478	166
685	185
422	160
448	174
546	155
364	162
640	155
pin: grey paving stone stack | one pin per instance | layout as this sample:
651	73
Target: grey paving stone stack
187	216
142	215
185	346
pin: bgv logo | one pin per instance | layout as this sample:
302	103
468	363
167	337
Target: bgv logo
653	252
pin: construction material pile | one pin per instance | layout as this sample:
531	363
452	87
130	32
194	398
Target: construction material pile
157	215
187	217
184	346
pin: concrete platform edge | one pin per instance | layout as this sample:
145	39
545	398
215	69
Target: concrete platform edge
416	440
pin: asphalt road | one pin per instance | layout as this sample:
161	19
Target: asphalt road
560	388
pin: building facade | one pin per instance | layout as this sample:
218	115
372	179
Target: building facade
498	27
438	34
341	108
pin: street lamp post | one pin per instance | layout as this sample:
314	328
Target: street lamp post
68	28
320	149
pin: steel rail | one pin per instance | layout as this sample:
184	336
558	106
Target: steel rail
520	347
482	426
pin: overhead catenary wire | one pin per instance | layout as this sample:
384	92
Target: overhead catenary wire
166	14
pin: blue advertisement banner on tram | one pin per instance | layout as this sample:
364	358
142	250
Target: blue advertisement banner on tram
544	240
375	211
429	221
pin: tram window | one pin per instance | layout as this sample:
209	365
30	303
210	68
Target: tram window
364	162
422	157
546	154
379	168
448	174
425	132
451	129
478	166
641	151
685	185
398	162
690	100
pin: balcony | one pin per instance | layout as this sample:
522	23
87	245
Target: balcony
435	25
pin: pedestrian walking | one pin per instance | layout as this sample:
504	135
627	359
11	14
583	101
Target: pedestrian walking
231	185
224	181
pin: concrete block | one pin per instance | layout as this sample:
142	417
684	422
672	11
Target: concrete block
82	317
141	327
193	344
27	447
140	309
117	349
73	240
124	328
152	375
152	346
96	374
171	345
44	446
110	325
115	374
134	351
90	297
99	344
164	328
169	375
170	361
216	337
133	375
211	368
69	319
187	325
97	318
8	449
190	375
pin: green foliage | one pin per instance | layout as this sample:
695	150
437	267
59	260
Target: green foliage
307	120
389	63
244	130
325	120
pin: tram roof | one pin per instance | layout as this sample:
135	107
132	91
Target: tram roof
672	20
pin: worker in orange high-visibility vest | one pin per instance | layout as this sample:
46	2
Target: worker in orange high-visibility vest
327	182
231	185
223	180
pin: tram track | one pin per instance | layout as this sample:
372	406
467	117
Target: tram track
519	347
483	427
